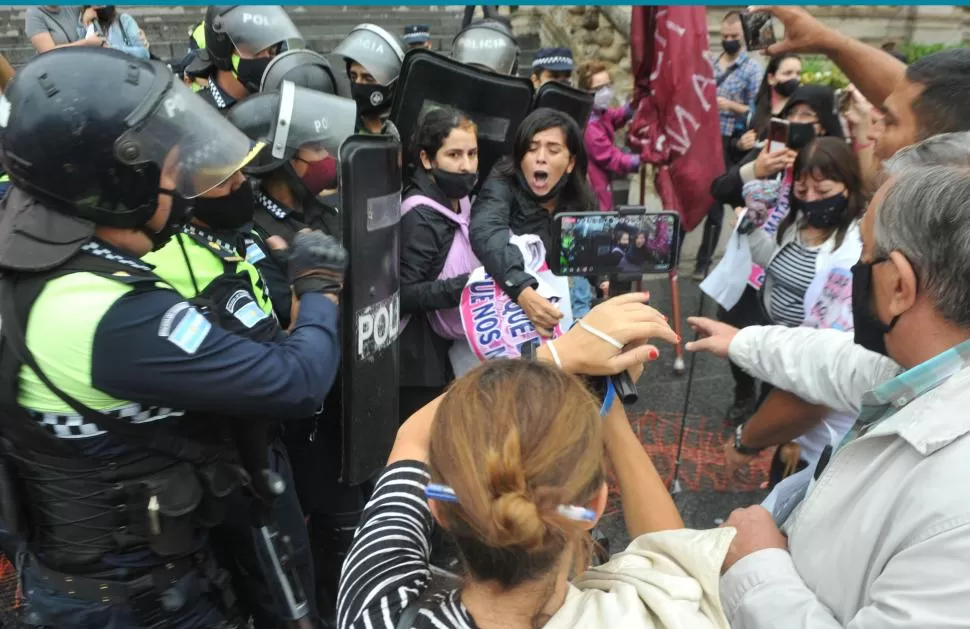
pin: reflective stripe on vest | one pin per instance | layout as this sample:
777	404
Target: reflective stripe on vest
62	344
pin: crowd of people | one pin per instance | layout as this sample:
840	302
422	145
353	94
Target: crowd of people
174	261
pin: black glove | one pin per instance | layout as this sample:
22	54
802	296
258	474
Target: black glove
317	264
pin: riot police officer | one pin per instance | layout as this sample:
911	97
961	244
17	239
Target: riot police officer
374	59
303	68
240	41
206	262
102	361
487	44
314	125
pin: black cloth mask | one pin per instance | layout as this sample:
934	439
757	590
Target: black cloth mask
870	332
229	212
371	99
250	73
178	216
822	213
731	46
454	185
800	134
787	88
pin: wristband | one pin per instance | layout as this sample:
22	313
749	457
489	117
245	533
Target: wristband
315	284
740	448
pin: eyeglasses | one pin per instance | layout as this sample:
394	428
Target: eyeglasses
443	493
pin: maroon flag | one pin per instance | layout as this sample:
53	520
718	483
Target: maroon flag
676	125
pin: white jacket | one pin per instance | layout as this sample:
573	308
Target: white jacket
666	580
828	304
882	539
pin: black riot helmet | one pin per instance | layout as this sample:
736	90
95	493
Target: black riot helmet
291	119
98	154
487	44
235	35
304	68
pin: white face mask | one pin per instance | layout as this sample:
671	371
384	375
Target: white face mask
603	97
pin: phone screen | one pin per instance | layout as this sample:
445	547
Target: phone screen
759	30
614	243
777	135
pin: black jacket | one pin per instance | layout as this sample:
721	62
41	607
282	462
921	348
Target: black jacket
728	188
500	206
426	238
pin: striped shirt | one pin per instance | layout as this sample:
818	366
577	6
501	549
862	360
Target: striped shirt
387	567
787	279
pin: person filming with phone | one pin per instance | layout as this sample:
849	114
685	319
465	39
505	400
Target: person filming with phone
545	175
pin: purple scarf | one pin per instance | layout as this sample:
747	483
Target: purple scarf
460	260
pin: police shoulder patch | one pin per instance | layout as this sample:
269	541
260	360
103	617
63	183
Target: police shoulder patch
190	331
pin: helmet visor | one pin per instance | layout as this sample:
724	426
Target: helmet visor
312	120
188	141
253	28
375	49
485	47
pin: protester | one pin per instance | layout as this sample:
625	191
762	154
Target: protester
513	442
924	99
52	26
552	64
782	77
119	30
737	76
874	535
811	113
545	175
606	160
807	270
436	255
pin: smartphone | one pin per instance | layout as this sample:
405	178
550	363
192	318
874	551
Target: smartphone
759	30
628	240
778	130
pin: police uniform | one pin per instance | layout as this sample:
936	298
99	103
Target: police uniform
114	485
381	56
230	30
314	446
417	35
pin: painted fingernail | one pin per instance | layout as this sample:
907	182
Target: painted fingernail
654	354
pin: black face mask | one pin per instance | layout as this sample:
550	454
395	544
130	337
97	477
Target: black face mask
787	88
870	332
800	134
556	189
371	99
821	213
731	46
250	73
177	218
229	212
454	185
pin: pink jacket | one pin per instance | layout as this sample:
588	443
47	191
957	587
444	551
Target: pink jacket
605	159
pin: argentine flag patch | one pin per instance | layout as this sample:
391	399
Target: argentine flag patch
253	253
190	331
250	314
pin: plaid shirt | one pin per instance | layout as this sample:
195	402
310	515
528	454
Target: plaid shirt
741	87
888	398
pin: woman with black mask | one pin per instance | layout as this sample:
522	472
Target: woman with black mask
436	256
546	174
782	77
811	113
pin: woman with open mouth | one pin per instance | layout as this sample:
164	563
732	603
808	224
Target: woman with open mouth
545	174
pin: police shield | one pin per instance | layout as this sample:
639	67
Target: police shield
576	103
496	103
370	191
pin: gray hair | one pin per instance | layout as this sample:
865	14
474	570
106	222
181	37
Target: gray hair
926	217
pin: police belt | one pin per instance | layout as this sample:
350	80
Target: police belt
148	594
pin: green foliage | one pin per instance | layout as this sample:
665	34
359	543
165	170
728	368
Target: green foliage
821	71
914	51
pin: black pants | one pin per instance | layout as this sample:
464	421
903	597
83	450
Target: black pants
469	16
745	313
715	216
236	549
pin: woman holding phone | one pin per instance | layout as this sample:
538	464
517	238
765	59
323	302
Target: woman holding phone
545	175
